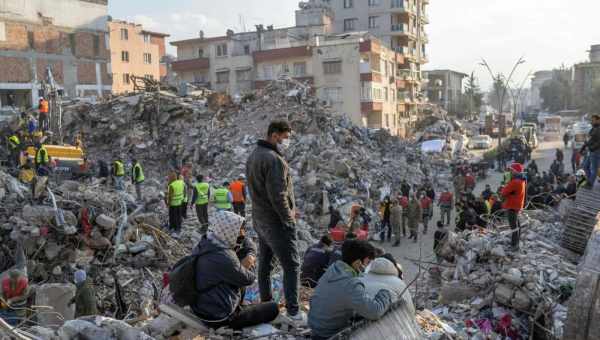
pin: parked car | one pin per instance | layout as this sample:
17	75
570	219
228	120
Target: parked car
480	142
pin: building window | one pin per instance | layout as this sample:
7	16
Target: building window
332	67
387	120
365	91
125	56
126	80
350	24
373	22
223	77
242	75
385	93
96	45
146	38
348	3
300	69
222	50
149	76
147	58
374	3
268	72
333	94
247	49
124	34
200	53
377	95
397	3
285	69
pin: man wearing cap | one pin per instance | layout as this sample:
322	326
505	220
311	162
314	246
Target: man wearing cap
514	201
238	193
592	161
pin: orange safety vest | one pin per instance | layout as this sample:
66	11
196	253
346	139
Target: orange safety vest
43	106
237	191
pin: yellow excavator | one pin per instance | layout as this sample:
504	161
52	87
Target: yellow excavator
68	159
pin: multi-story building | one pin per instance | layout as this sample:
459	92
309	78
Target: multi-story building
356	74
399	24
445	88
586	76
135	52
538	80
69	37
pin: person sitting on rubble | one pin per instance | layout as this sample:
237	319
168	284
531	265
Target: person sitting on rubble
334	217
85	298
384	274
336	253
220	277
487	193
571	188
27	173
15	289
341	296
316	261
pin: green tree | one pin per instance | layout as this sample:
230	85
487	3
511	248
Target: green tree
557	93
473	98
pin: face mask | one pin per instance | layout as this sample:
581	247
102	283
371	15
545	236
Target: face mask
285	144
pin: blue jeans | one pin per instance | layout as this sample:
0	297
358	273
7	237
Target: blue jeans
279	241
119	183
591	165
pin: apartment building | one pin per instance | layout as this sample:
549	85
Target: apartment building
445	88
135	52
585	76
68	36
538	80
399	24
355	73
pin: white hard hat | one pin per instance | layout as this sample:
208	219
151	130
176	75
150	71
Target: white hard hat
242	176
580	173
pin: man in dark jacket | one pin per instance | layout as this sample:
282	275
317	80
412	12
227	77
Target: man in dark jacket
316	261
85	298
334	217
405	188
487	193
592	161
340	295
221	277
273	210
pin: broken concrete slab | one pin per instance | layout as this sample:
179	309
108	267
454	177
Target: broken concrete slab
57	296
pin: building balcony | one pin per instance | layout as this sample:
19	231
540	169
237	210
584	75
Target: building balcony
282	53
400	84
191	65
371	76
425	17
261	83
371	106
402	6
402	30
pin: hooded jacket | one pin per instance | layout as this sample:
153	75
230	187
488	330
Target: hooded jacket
340	296
271	188
219	273
382	274
514	195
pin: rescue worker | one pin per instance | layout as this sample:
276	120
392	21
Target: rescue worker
414	215
186	188
137	178
514	201
119	174
41	156
223	198
200	199
44	108
175	202
446	203
14	145
239	194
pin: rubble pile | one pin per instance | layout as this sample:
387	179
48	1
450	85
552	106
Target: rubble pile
486	290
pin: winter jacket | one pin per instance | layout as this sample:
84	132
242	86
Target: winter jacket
414	213
85	301
405	189
220	275
340	296
396	215
316	261
514	195
271	188
382	274
593	143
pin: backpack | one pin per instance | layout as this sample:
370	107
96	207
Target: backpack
182	281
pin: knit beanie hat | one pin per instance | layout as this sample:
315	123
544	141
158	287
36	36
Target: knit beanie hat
80	276
226	227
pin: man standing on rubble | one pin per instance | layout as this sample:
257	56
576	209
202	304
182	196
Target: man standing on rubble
223	198
414	215
514	201
200	199
238	193
175	201
44	108
592	161
446	203
119	174
273	210
137	178
14	146
41	156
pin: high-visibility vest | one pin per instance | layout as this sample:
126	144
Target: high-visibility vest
237	191
41	157
202	189
119	169
221	201
44	106
140	178
176	192
14	141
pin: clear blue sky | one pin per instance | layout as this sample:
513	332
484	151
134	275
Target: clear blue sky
547	33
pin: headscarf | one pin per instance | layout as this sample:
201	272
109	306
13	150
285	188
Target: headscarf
226	228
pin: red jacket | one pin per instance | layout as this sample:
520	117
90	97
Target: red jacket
514	195
469	181
446	198
425	202
404	202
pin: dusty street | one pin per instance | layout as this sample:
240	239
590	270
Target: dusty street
409	252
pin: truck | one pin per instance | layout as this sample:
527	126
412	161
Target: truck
552	128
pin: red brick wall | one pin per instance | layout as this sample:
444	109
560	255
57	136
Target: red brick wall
84	45
47	41
106	77
15	70
57	69
16	38
86	73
